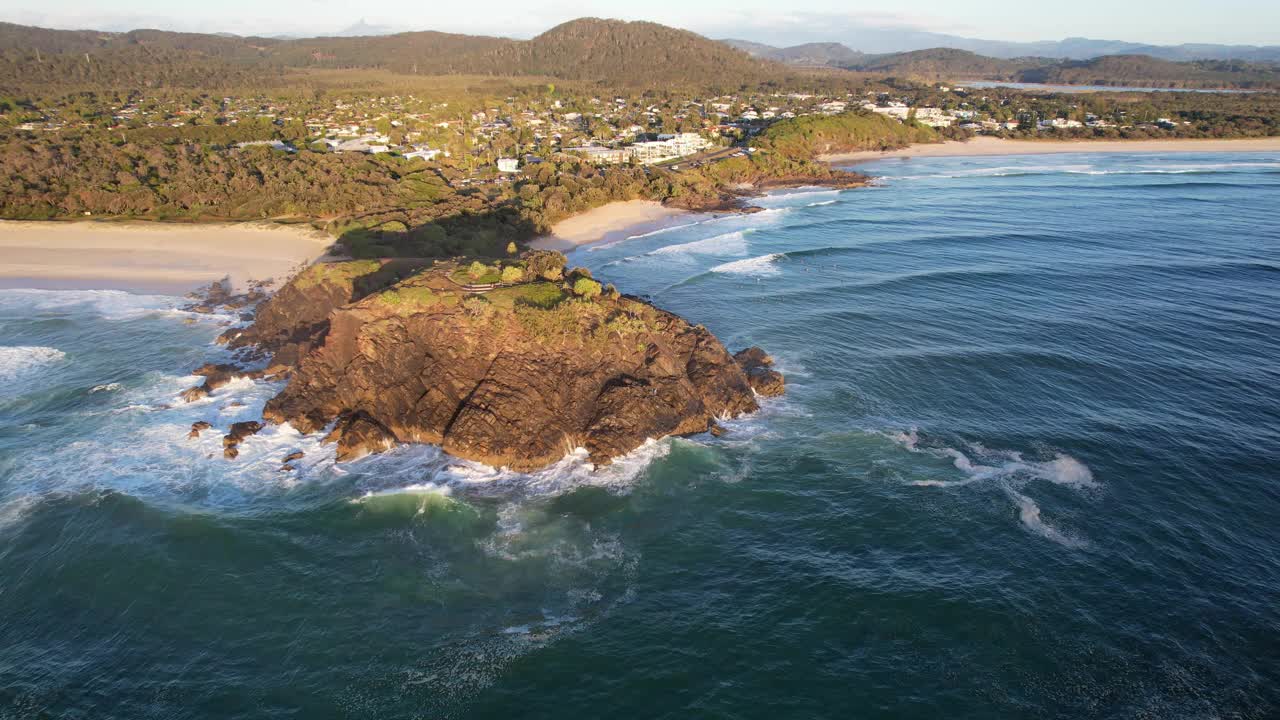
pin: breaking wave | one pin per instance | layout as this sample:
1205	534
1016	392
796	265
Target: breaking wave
21	359
759	266
733	243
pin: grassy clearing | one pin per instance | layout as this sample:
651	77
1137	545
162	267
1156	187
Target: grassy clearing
543	295
410	298
339	272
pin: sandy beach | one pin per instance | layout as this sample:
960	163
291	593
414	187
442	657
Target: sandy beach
985	145
150	257
614	221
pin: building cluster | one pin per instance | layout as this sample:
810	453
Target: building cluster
646	152
488	137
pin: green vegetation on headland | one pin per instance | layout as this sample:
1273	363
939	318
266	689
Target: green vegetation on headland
813	135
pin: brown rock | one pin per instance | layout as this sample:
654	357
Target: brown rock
757	365
295	455
216	376
211	368
517	385
358	435
291	322
230	453
239	431
494	379
197	427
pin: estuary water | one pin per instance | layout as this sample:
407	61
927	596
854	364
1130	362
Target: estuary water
1028	465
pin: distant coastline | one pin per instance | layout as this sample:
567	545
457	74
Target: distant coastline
980	146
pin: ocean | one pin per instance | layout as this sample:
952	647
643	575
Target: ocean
1028	465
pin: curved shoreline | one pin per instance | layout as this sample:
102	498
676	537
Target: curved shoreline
161	258
612	221
174	258
993	146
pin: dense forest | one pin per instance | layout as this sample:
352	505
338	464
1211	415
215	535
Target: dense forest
623	54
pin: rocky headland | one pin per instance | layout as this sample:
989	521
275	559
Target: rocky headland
512	363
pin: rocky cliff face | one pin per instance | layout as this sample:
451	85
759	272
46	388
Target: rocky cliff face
518	375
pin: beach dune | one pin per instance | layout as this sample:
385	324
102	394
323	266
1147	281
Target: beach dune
151	257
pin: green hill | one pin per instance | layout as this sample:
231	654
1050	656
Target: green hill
944	64
1146	71
608	51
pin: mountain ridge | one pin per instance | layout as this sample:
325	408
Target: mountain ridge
614	52
588	49
880	42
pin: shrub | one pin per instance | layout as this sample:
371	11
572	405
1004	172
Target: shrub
512	274
409	298
337	272
546	264
477	307
511	248
587	288
543	295
477	270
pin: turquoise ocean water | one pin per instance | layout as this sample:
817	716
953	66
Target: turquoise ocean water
1028	466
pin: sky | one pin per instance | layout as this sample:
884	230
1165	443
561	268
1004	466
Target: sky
778	22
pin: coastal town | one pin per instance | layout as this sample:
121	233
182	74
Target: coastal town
485	139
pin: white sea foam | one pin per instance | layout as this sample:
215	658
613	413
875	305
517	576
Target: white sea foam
1010	470
801	197
111	304
1029	514
107	304
106	387
1065	470
640	236
412	467
733	243
23	359
759	266
16	509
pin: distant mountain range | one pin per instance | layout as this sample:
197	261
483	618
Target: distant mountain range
880	41
612	52
934	64
589	49
883	41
